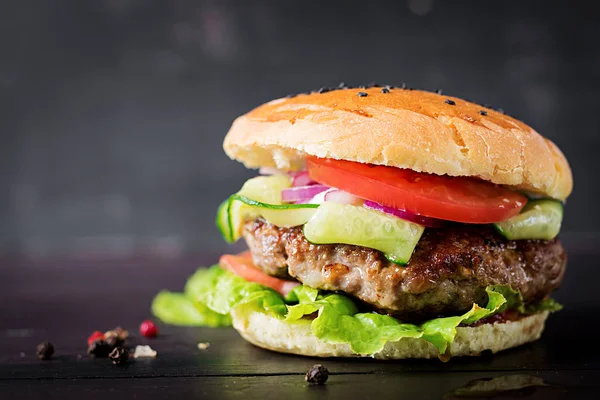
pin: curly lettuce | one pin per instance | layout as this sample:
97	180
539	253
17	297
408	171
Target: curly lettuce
334	317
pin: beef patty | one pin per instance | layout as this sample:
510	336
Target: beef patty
447	273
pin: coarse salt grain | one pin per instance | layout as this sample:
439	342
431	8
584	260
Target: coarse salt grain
203	345
144	351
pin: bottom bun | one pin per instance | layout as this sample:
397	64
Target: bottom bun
297	338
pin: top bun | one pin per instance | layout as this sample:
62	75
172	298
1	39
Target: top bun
419	130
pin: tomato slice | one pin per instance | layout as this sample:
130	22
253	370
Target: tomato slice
459	199
243	266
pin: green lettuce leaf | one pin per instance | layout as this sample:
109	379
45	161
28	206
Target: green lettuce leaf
177	309
221	291
334	317
548	304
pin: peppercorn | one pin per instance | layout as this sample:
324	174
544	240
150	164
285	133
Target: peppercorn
45	350
148	329
362	94
482	112
97	335
119	355
123	333
317	375
385	90
113	341
451	102
98	349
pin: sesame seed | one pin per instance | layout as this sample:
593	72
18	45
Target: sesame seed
324	90
342	85
451	102
438	91
403	86
501	111
482	112
385	90
362	94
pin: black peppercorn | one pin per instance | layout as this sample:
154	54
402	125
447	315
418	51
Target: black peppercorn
99	349
317	375
113	341
362	94
451	102
385	90
45	350
119	355
482	112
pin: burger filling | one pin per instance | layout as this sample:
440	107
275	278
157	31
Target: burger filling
448	271
370	254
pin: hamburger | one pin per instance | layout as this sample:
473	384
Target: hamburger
388	223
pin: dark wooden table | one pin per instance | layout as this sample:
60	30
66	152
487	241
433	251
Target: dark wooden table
63	301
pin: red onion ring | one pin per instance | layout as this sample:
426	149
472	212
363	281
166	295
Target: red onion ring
301	193
341	197
419	219
302	179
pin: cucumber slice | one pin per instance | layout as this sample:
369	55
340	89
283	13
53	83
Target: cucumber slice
283	215
261	196
343	223
264	189
222	221
539	219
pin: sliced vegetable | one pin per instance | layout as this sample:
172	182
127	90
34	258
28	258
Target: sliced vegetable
178	309
338	319
343	223
341	197
417	219
539	219
458	199
284	215
260	196
302	193
302	179
222	222
243	266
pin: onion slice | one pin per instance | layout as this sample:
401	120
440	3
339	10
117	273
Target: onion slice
341	197
418	219
301	193
302	179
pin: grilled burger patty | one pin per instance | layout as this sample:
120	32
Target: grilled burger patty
448	271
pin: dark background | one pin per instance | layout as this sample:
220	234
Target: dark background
113	112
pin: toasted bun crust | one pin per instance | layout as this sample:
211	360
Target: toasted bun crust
405	129
273	334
